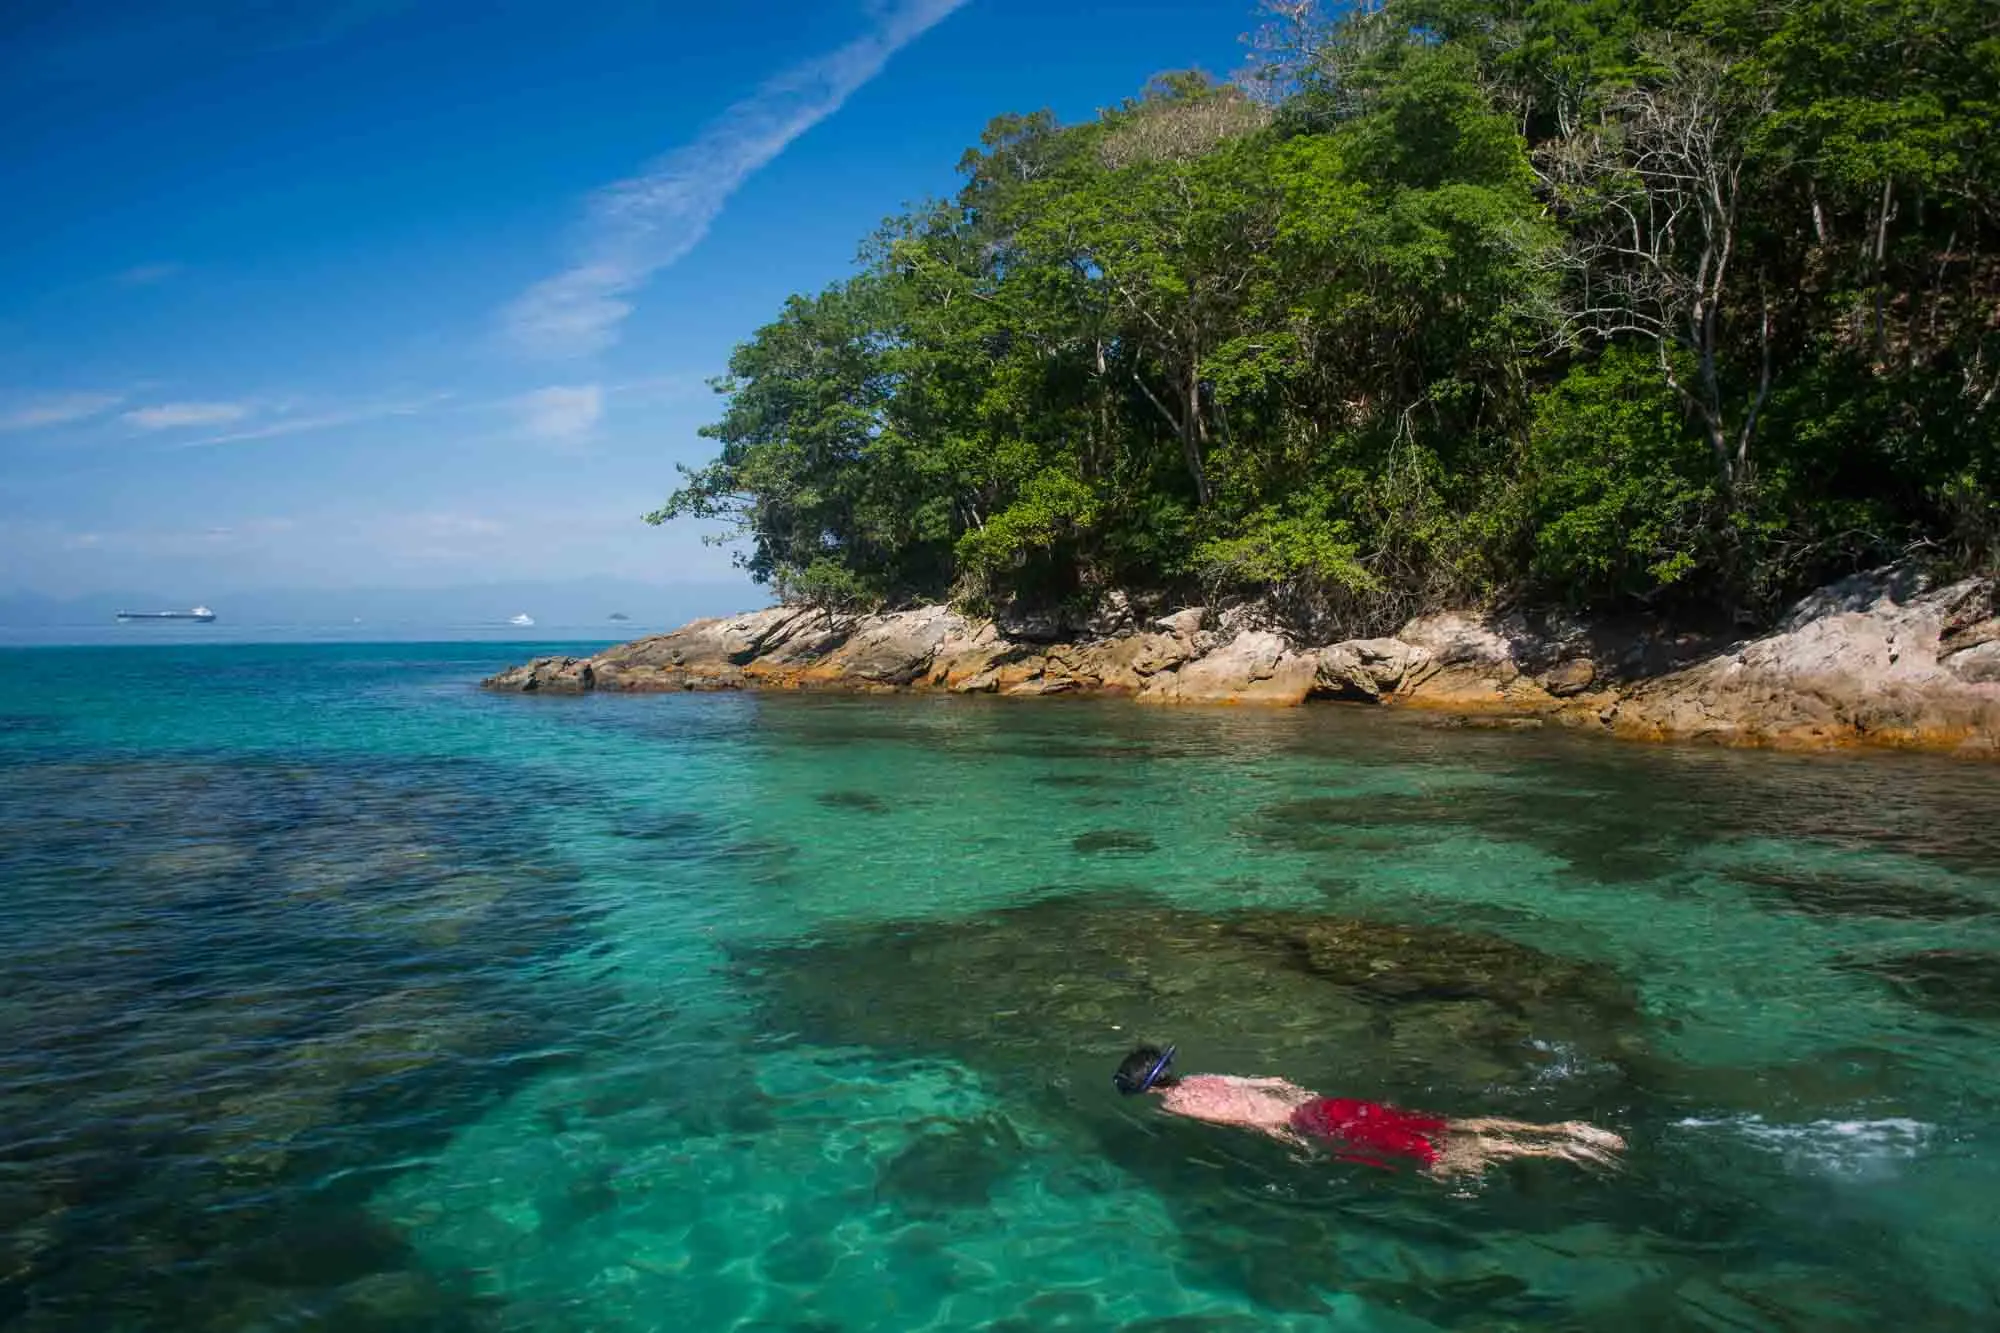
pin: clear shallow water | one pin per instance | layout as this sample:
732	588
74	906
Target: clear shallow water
338	994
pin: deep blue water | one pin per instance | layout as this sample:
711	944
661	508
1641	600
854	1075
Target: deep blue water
338	994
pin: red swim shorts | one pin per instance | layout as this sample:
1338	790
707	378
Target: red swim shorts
1370	1132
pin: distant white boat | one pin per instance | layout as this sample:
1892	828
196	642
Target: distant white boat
200	613
524	619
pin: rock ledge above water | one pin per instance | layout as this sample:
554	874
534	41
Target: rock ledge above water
1884	658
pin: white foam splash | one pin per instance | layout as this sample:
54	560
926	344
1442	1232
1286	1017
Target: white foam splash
1844	1147
1563	1062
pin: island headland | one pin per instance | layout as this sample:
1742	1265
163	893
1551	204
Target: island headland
1643	388
1886	658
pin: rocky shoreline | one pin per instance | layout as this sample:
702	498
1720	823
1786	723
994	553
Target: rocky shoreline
1885	658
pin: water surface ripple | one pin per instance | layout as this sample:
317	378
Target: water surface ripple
337	994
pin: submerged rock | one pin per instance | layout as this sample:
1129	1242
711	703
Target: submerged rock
1113	841
652	826
1959	983
952	1164
1079	780
322	977
1062	987
1405	964
1837	895
1485	722
866	803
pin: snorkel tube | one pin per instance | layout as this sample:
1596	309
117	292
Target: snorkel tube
1151	1076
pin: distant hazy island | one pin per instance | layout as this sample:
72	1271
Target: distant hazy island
1600	313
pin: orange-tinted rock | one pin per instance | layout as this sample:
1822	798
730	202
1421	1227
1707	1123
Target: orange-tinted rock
1880	659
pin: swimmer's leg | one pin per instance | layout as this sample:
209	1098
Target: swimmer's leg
1591	1134
1575	1131
1474	1144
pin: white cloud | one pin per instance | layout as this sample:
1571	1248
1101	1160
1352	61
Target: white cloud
291	425
561	414
57	411
639	226
177	416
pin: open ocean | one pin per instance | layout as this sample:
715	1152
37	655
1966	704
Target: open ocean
337	994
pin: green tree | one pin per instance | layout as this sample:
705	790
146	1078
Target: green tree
1580	301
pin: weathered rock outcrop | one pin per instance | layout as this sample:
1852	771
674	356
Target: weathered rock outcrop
1877	659
1882	658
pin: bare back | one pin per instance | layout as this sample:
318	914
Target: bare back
1262	1104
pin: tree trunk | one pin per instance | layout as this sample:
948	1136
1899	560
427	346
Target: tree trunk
1881	255
1194	431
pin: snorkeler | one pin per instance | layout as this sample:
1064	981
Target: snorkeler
1365	1132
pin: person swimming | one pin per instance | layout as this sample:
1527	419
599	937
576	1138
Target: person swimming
1358	1131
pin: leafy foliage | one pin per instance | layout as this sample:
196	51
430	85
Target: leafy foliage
1597	302
1619	496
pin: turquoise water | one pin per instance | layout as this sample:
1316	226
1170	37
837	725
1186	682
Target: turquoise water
338	994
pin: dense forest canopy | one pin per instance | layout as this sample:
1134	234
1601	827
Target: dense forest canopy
1601	303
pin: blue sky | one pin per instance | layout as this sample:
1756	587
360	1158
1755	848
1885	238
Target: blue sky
423	294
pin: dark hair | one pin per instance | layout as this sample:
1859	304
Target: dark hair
1132	1071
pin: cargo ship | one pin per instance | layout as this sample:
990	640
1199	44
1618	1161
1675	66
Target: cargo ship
201	613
